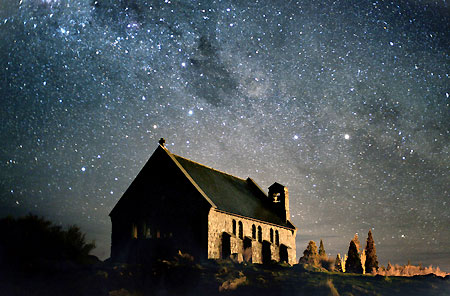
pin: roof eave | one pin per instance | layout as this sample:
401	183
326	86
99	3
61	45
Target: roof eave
257	220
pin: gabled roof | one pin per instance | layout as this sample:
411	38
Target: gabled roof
224	192
232	194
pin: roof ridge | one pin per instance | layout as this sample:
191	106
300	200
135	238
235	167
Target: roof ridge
211	168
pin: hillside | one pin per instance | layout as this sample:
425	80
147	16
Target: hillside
184	277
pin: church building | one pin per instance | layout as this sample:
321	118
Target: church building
175	204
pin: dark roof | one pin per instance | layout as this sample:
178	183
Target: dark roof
231	194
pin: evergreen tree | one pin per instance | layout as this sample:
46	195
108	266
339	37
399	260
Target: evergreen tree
389	266
322	252
310	255
353	263
371	254
344	261
338	264
362	256
357	243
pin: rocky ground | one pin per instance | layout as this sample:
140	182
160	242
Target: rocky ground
181	276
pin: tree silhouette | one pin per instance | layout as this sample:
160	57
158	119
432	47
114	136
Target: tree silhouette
310	255
389	266
338	264
322	252
357	243
353	263
371	254
31	242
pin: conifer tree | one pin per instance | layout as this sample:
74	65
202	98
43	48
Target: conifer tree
344	261
371	254
310	255
338	264
353	263
322	252
357	243
362	256
389	267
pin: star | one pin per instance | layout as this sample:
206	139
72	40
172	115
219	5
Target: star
328	98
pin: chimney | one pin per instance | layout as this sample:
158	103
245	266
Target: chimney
279	196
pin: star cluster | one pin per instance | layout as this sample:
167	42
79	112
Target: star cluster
345	102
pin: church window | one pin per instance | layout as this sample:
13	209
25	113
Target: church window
241	230
260	234
253	231
234	227
277	238
271	235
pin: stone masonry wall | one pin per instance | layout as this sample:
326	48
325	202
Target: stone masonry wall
220	222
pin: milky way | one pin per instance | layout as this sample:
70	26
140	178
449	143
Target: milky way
345	102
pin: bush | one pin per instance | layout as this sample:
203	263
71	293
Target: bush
327	263
310	255
33	242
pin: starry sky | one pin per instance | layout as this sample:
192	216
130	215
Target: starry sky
345	102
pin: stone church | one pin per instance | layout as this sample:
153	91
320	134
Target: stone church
176	204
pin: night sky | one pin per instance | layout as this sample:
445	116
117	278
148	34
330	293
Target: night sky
345	102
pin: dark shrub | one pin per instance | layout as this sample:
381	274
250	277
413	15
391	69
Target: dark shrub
33	242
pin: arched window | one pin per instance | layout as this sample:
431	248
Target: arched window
253	231
260	234
277	238
241	230
234	227
271	235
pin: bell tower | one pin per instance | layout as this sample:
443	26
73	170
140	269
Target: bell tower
279	197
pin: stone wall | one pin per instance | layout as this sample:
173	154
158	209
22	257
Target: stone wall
220	222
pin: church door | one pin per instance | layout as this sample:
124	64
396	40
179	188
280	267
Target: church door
247	249
266	253
226	246
284	254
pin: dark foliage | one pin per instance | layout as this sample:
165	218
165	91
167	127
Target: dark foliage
353	263
371	254
310	255
322	252
32	243
327	263
338	264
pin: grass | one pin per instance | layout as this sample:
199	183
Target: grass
185	277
